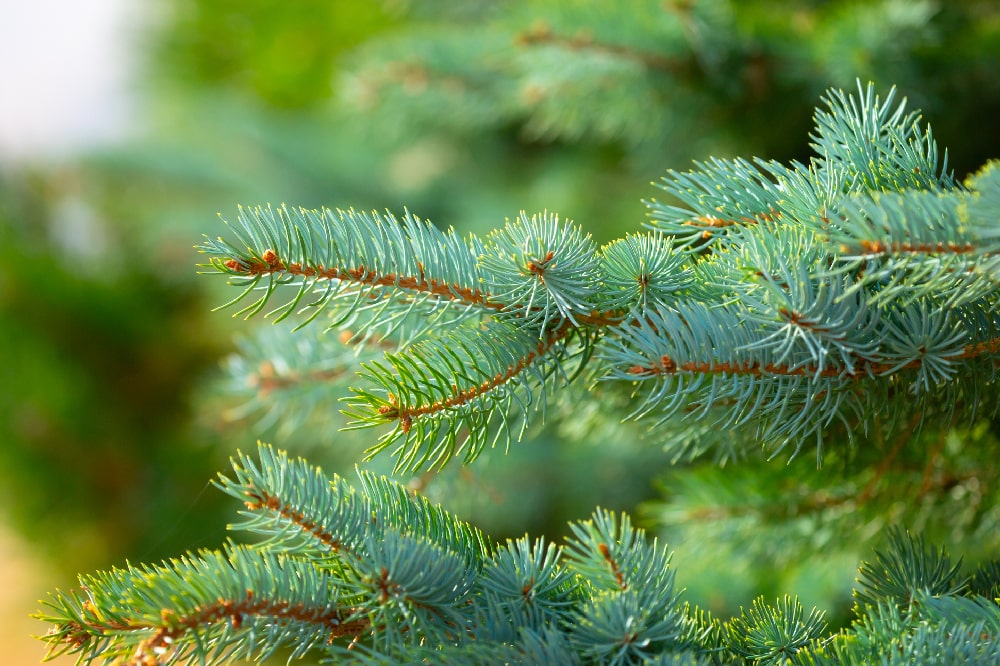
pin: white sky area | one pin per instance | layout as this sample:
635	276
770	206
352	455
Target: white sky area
65	67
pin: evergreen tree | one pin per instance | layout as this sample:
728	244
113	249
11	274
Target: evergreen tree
831	305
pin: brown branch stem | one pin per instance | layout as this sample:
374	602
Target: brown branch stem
406	414
666	365
154	649
613	565
906	247
267	379
157	648
542	35
270	263
260	499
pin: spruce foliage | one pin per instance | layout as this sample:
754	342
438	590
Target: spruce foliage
776	299
778	303
371	573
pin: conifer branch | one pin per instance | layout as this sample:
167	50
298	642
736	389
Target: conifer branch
421	583
542	35
355	260
718	196
851	296
406	414
811	282
877	146
153	649
774	634
269	263
299	510
212	607
286	382
909	567
665	365
458	386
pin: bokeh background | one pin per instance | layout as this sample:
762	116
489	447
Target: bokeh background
126	126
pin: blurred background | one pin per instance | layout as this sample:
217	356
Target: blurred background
127	126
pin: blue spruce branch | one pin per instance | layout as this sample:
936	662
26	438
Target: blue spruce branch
374	574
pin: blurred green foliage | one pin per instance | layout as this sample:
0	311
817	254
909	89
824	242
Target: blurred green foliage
101	353
348	104
284	54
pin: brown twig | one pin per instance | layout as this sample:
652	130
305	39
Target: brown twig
541	34
260	499
406	414
270	263
155	649
668	366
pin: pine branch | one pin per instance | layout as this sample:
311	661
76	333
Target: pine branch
774	634
542	270
915	245
460	386
641	273
213	607
356	260
777	296
394	507
731	194
793	517
287	382
294	505
528	582
909	567
880	147
633	612
541	35
299	511
408	581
